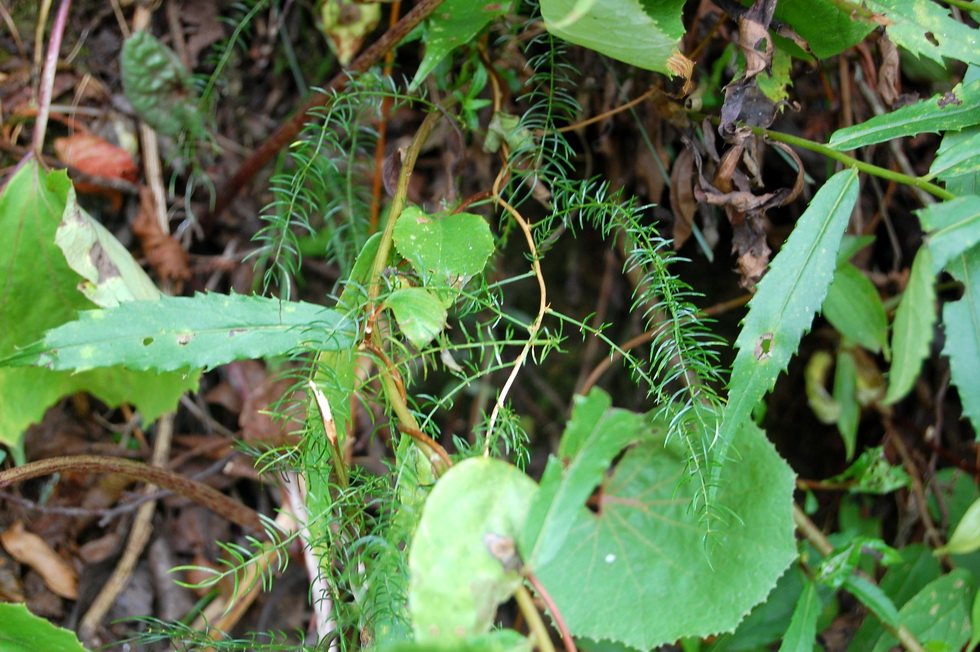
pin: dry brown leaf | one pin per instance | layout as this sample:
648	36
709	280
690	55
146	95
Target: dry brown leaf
162	251
31	550
682	201
889	74
754	39
93	155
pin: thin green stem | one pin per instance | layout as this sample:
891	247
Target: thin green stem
534	621
964	5
898	177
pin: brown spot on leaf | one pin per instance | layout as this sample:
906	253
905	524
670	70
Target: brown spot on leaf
184	339
763	347
949	97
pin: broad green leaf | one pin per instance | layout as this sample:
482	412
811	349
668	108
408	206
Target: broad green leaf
928	30
420	314
464	560
22	631
787	298
845	395
642	34
939	615
966	536
975	623
500	640
953	226
853	307
186	333
594	436
111	273
951	111
448	248
159	87
961	322
453	24
652	576
802	630
914	320
827	28
31	207
838	567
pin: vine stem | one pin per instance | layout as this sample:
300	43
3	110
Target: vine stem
884	173
813	534
289	129
198	492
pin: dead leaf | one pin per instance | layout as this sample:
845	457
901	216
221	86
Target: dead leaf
93	155
31	550
889	74
164	253
754	39
345	24
682	201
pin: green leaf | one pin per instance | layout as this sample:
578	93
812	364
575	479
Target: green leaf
928	30
787	299
853	306
951	111
22	631
914	320
453	24
961	321
845	395
838	567
939	615
186	333
452	247
651	576
802	632
975	623
159	87
592	439
463	560
872	474
642	34
953	226
966	536
111	273
420	314
874	599
501	640
31	207
827	28
959	157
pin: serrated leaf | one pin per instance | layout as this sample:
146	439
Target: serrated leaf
464	560
644	36
957	158
594	436
22	631
953	226
928	30
951	111
420	315
31	207
111	273
853	306
159	87
914	321
186	333
786	301
453	24
452	247
961	321
939	615
652	577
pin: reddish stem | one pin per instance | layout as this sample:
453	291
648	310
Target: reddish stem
199	492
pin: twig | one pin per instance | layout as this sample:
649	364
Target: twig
288	130
566	635
198	492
